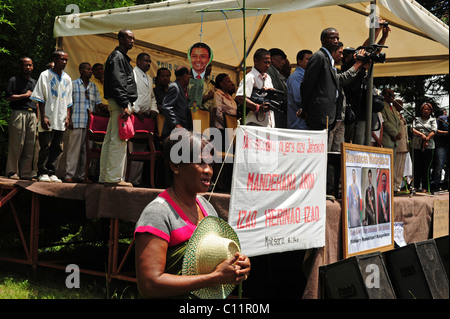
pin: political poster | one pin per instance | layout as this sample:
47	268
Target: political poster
367	200
278	193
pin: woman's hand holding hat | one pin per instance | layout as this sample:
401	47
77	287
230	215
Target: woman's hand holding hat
234	270
242	267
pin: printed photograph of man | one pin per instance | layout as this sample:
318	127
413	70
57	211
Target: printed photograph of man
370	205
200	89
199	55
354	200
384	201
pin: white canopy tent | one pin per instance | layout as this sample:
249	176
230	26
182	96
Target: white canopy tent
417	45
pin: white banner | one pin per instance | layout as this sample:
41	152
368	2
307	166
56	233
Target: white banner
278	193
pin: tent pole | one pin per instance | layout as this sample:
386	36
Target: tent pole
368	127
244	64
244	67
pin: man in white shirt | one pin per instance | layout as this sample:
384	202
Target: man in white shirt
257	78
146	101
53	92
144	109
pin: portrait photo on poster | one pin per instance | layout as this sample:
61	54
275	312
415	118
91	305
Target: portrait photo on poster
367	207
200	89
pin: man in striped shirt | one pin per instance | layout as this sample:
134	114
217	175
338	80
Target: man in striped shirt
85	97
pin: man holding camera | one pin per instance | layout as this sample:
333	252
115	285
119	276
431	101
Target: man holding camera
259	114
355	91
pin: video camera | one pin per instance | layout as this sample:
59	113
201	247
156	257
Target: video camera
273	98
372	53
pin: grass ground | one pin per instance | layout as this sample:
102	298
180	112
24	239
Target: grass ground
18	282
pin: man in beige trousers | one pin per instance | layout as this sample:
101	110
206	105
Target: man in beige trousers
402	149
121	92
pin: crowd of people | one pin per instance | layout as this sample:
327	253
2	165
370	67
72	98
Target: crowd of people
316	95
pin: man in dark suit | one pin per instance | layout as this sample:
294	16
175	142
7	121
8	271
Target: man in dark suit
370	203
175	103
384	202
319	89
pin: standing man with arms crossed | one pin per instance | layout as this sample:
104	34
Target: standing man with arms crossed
121	92
22	122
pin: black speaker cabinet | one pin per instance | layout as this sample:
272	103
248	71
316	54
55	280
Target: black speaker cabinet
443	249
357	277
417	272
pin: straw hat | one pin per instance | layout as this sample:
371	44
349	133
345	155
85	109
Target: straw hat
212	242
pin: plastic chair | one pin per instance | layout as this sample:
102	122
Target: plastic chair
96	131
230	121
223	181
201	120
144	135
160	119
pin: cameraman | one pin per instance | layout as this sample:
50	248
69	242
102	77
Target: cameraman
259	114
355	92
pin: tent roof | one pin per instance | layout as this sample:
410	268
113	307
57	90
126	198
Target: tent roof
418	43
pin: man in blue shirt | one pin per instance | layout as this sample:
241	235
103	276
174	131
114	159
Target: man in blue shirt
85	97
293	87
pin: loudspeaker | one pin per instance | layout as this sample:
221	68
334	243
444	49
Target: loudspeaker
357	277
417	272
442	247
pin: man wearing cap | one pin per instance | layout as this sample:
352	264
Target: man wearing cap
278	63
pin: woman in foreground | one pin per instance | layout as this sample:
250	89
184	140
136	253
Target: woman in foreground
168	222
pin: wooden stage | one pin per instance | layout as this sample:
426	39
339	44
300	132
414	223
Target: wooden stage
115	205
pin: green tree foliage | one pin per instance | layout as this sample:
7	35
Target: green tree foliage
4	8
33	32
26	29
415	90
